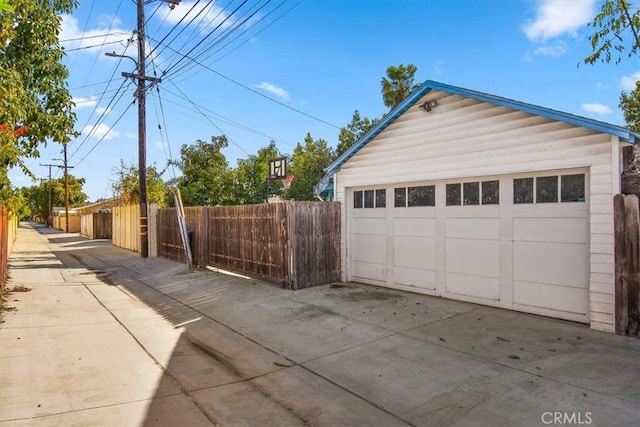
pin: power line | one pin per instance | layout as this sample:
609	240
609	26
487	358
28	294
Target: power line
210	121
252	90
107	133
203	39
226	119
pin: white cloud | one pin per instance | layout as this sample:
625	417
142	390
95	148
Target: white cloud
277	91
100	131
131	135
103	110
629	82
84	102
106	37
555	18
555	50
598	109
208	17
159	144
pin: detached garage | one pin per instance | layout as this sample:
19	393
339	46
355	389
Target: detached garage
475	197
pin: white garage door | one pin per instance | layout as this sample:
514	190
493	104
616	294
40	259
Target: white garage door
519	242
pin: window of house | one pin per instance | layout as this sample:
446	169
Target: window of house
381	198
400	197
546	189
490	192
422	196
523	190
368	199
357	199
454	194
572	188
471	193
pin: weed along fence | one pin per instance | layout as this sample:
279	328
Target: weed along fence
296	244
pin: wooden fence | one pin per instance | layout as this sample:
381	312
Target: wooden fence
96	225
627	268
4	242
126	227
296	244
8	229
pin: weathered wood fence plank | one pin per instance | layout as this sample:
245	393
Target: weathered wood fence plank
295	244
627	264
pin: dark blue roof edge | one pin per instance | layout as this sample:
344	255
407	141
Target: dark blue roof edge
624	134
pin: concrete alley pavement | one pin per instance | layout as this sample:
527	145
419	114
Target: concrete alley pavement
107	338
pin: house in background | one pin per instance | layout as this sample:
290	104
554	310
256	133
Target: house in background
480	198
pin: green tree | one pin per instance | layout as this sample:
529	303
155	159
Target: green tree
616	31
308	163
38	195
251	176
206	178
630	105
127	184
398	84
35	103
354	131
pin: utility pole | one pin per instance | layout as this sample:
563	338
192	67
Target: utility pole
66	186
50	207
142	135
141	94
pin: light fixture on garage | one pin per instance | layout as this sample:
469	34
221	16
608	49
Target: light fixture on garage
428	105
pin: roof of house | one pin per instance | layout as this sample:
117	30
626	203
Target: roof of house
624	134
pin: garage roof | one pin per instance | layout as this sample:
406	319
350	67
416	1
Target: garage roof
326	184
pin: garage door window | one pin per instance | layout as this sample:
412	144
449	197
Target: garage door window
547	189
424	195
473	193
369	199
571	188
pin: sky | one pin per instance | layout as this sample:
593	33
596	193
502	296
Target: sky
267	70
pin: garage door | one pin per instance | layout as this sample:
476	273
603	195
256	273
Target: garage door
519	241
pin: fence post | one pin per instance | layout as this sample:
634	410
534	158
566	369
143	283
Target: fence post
627	264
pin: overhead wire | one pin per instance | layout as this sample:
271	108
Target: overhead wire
90	72
173	66
252	90
107	133
227	32
84	30
223	118
153	50
211	121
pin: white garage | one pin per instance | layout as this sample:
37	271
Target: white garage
479	198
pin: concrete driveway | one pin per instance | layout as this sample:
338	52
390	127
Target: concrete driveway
247	353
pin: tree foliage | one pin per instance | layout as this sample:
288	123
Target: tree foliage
35	103
38	195
617	31
630	105
251	176
398	84
127	184
206	178
354	131
308	163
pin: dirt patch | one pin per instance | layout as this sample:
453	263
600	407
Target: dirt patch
19	288
365	295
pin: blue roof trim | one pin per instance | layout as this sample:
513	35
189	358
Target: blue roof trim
624	134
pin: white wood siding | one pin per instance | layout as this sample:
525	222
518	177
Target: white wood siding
462	137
